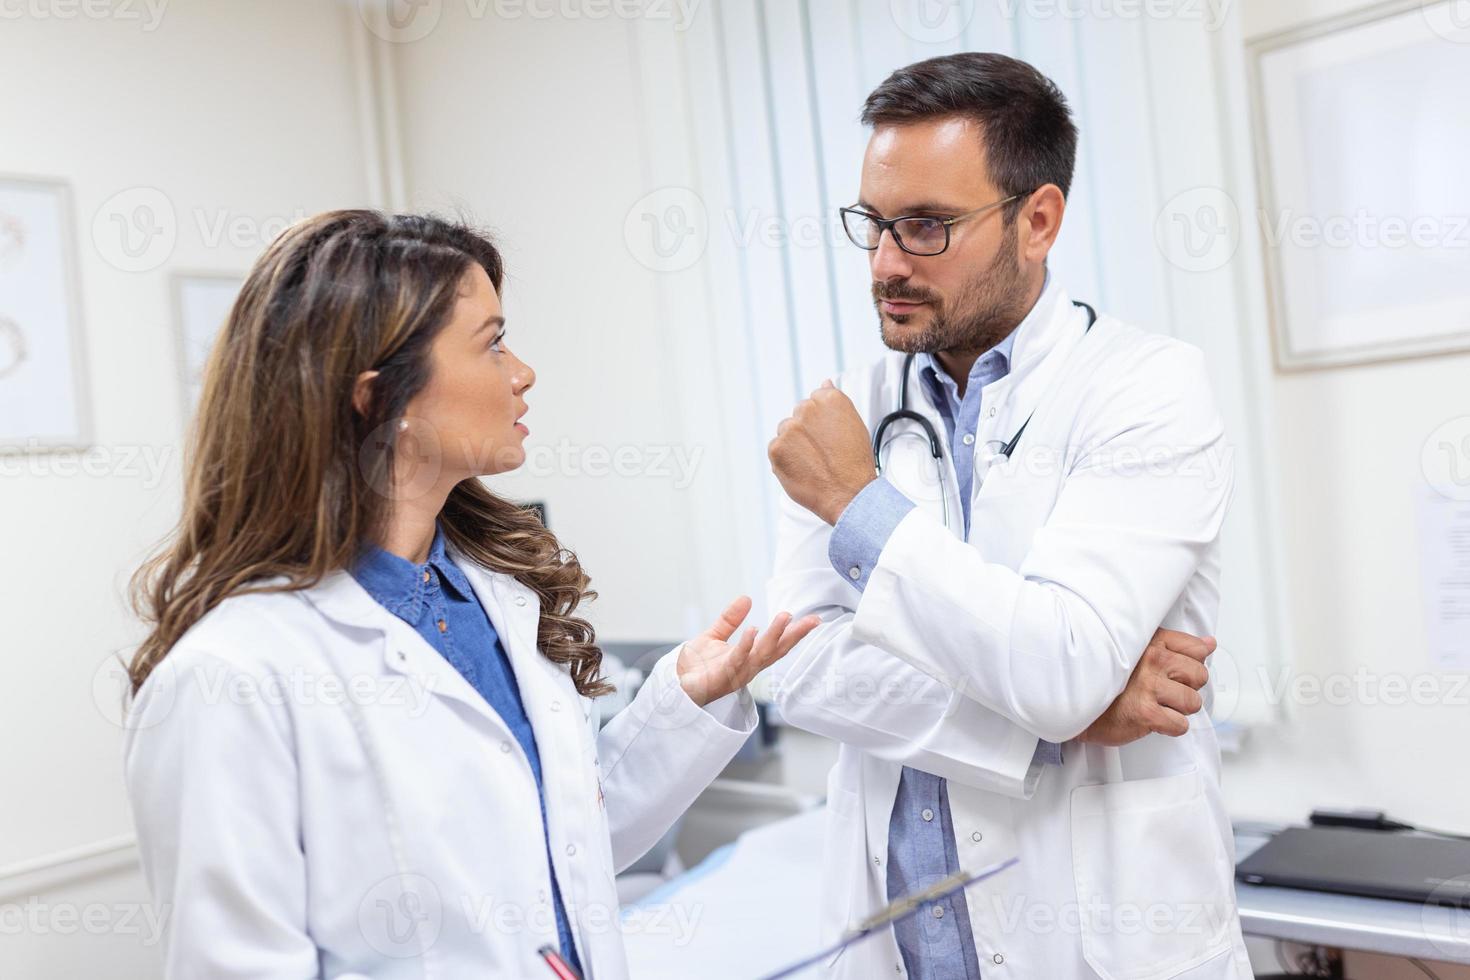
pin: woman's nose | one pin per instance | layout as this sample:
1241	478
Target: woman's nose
524	377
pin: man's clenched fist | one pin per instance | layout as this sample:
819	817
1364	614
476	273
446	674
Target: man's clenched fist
821	454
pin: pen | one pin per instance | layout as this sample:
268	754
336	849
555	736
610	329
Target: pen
558	965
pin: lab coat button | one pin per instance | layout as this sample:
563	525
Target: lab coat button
997	959
571	850
505	746
556	706
854	573
520	600
969	439
992	412
927	814
977	837
877	860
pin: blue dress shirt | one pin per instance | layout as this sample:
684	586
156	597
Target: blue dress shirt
938	942
437	600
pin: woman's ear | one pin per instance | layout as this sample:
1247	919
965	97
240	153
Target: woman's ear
362	392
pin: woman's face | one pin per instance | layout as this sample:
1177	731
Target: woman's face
467	418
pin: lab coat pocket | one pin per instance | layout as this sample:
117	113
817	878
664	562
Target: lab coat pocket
1153	881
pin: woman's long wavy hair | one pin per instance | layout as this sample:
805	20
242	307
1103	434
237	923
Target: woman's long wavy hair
284	477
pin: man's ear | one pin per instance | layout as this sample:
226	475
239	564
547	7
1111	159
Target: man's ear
1041	220
362	392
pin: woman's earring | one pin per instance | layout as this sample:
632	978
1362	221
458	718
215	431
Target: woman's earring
403	425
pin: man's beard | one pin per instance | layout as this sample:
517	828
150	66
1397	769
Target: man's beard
985	311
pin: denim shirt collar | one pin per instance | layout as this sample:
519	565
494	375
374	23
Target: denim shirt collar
994	363
398	585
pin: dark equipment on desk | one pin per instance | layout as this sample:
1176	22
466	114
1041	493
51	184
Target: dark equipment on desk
1374	863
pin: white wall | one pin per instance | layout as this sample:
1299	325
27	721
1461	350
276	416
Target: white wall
531	127
238	112
1345	477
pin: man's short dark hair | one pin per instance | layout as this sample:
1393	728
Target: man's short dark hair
1029	136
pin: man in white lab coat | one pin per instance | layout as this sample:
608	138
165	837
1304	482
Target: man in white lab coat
1053	495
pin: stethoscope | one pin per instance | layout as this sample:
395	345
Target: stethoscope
903	412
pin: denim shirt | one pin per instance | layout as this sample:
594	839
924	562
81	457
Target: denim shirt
938	942
437	600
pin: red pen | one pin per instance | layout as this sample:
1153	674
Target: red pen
558	965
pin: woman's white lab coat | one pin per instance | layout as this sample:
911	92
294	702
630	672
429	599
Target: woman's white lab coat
318	793
959	654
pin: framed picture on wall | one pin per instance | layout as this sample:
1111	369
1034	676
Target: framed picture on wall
1362	132
44	401
202	301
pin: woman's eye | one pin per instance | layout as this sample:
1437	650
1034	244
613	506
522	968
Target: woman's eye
498	345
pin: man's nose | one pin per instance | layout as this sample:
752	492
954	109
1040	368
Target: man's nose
889	261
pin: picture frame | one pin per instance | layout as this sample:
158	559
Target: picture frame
201	303
45	401
1365	222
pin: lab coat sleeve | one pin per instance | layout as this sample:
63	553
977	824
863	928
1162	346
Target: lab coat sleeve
212	780
660	752
837	685
1051	645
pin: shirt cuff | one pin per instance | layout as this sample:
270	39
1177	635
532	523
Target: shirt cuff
1047	753
863	529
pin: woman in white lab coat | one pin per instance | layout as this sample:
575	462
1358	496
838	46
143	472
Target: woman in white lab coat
363	740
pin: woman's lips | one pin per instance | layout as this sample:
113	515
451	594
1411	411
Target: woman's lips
521	428
897	307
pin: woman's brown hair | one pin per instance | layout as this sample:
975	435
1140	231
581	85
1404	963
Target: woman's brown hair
284	477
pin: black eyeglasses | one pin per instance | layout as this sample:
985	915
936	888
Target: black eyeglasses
915	235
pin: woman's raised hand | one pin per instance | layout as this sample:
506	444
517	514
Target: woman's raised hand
710	666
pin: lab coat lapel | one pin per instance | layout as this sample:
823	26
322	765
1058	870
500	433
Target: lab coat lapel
341	598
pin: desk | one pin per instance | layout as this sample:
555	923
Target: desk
1373	925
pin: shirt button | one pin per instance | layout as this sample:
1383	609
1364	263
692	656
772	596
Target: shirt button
928	814
997	959
520	600
854	573
969	439
939	911
571	850
443	626
426	576
505	746
977	837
